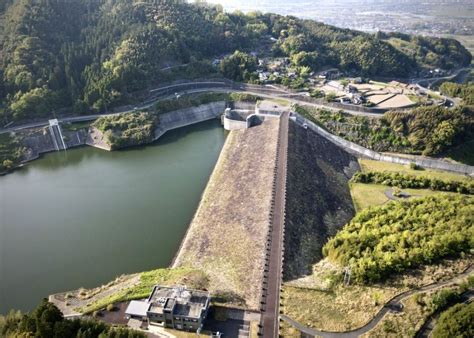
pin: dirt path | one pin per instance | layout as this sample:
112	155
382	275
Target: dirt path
393	305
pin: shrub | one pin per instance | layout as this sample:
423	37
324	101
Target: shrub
458	321
111	307
442	299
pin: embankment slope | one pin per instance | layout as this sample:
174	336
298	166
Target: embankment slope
227	236
318	201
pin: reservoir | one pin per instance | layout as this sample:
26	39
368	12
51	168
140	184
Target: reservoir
83	217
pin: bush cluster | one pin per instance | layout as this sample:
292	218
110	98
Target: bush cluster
458	321
11	152
130	129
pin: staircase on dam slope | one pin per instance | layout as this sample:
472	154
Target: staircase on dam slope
56	135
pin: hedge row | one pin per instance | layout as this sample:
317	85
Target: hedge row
405	181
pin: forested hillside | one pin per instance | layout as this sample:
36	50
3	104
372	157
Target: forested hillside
91	54
394	237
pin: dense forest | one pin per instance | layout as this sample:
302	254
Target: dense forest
428	50
388	239
92	54
47	321
424	130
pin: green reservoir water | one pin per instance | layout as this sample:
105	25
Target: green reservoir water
82	217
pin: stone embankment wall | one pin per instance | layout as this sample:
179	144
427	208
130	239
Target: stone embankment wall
318	200
367	153
39	141
227	236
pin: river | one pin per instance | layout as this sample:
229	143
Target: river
82	217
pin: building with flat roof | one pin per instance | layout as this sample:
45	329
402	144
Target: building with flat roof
174	307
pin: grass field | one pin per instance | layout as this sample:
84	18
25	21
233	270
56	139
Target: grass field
341	308
417	309
405	324
366	195
127	287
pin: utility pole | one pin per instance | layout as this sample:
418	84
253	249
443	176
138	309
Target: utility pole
347	275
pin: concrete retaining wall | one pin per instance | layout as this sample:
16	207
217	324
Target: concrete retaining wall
367	153
188	116
230	124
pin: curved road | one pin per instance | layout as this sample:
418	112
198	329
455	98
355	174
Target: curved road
207	86
393	305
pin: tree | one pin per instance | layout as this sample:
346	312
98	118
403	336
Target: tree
239	66
40	101
331	96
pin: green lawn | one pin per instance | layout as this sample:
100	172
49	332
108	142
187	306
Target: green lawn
370	165
191	277
367	195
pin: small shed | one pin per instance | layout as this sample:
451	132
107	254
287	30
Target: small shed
137	310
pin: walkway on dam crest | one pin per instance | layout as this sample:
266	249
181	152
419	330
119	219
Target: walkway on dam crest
271	307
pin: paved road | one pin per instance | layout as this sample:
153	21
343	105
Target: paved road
271	313
394	305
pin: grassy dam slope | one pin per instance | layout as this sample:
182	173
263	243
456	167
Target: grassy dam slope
318	202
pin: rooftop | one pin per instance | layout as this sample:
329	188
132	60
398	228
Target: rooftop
179	300
137	308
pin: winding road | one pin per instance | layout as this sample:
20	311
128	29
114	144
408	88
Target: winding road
394	305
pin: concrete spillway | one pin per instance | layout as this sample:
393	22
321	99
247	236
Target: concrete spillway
57	135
